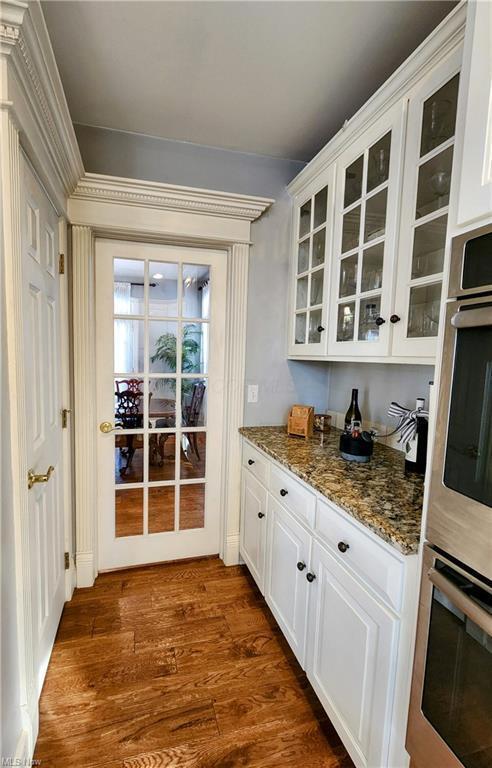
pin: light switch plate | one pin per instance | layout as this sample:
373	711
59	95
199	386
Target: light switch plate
252	393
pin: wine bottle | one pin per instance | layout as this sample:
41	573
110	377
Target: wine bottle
353	413
416	448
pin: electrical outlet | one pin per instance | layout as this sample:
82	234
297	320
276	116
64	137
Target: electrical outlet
252	393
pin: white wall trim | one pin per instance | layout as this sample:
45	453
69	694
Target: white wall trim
437	46
169	197
166	214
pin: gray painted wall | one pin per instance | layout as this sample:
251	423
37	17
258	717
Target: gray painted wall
281	383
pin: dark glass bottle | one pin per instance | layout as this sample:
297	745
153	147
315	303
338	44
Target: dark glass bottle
416	454
353	413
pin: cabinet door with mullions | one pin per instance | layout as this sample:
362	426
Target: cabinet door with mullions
366	209
312	239
425	203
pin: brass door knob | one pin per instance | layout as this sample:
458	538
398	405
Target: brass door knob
32	479
106	427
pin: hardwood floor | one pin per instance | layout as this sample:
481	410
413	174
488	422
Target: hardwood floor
178	666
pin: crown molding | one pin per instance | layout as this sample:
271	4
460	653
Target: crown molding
442	41
96	187
32	91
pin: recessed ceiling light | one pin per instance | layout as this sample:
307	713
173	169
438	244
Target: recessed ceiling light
157	276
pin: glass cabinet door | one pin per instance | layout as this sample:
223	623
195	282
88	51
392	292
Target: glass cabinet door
311	248
364	240
427	184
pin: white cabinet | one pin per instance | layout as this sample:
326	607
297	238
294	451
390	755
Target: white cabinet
424	238
253	527
288	558
367	203
351	645
312	238
475	194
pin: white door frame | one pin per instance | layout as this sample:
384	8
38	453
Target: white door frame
107	206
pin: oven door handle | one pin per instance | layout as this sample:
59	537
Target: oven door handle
472	318
478	615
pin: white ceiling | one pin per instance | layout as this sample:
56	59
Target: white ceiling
273	78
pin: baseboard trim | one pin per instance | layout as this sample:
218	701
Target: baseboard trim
84	564
231	554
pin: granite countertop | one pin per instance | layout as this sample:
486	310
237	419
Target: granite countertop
377	494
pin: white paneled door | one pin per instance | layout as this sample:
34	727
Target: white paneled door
160	319
41	311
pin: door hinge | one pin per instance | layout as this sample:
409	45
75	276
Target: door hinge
64	417
67	560
61	264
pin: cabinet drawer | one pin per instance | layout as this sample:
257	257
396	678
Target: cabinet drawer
370	561
292	495
257	464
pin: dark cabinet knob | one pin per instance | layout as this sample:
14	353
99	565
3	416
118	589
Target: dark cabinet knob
310	577
261	514
342	546
283	492
379	321
301	566
320	329
395	319
251	462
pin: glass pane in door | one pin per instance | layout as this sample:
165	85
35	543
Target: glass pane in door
372	268
192	506
319	240
317	287
194	348
434	183
196	291
162	346
193	455
161	456
303	256
161	509
302	293
439	117
375	219
429	241
305	219
423	316
300	328
320	200
314	326
129	512
128	287
163	289
193	402
346	321
378	162
348	276
353	182
368	313
350	230
128	346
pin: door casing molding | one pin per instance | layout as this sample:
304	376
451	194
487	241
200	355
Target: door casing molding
124	209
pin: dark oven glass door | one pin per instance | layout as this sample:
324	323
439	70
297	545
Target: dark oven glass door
457	693
468	462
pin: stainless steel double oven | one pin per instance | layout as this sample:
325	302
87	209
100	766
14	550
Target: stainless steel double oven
450	721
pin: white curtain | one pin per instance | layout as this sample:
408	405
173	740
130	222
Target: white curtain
123	331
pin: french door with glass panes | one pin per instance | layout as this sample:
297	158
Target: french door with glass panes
312	238
424	218
160	319
364	253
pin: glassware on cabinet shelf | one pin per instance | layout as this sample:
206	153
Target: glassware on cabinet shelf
351	230
429	241
433	183
353	182
372	268
348	276
319	242
305	219
439	116
424	308
346	319
368	313
316	288
300	329
303	256
314	336
320	202
378	162
302	293
375	220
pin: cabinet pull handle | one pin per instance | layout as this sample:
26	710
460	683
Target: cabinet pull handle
251	462
310	577
395	319
261	514
320	329
342	546
283	492
380	321
301	565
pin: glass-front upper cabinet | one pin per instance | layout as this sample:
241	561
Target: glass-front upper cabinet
424	219
312	240
366	208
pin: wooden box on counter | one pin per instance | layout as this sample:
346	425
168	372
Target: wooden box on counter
301	421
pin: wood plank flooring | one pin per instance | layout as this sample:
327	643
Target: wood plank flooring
178	666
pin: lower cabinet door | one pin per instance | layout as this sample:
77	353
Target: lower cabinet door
253	527
350	663
286	586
